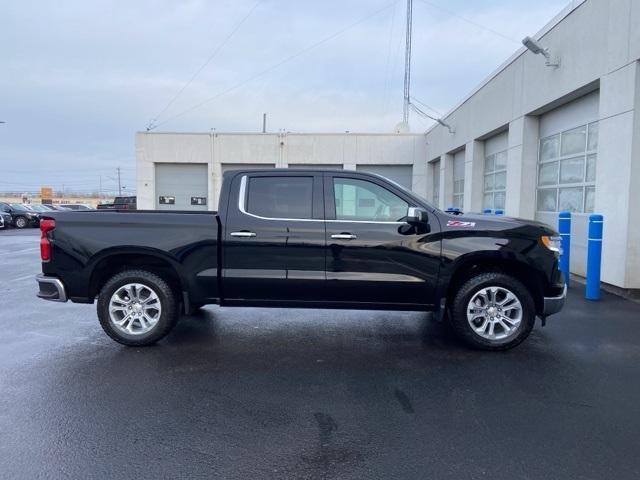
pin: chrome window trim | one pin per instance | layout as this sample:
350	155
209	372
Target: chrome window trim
242	201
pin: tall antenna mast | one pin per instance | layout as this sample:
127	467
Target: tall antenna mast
407	65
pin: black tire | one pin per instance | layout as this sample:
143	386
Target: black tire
465	293
167	318
21	222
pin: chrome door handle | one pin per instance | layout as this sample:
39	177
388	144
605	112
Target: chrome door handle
343	236
242	234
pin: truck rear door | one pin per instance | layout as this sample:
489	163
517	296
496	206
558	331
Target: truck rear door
274	238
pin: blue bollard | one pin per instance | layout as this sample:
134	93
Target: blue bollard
564	228
594	257
486	211
499	211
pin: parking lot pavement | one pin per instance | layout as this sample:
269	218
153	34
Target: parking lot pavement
257	393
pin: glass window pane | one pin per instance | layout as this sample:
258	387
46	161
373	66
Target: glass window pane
590	199
501	160
591	168
489	164
572	170
501	181
574	141
363	200
550	148
458	201
499	200
280	197
487	200
592	142
488	182
548	174
547	200
570	199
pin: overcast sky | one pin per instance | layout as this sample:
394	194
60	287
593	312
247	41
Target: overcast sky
79	78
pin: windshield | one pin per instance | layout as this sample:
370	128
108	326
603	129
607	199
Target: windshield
19	207
412	194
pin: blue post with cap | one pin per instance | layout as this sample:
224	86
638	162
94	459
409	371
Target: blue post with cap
499	211
486	211
594	257
564	228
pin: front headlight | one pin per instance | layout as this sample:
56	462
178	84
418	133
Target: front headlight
553	243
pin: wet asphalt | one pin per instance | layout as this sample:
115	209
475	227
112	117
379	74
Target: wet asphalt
258	393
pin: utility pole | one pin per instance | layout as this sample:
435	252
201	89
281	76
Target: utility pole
119	184
407	65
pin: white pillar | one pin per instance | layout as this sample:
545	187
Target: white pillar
618	175
446	180
522	161
473	176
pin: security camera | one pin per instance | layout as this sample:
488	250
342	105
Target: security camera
535	48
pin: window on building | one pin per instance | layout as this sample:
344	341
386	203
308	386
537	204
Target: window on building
458	181
436	183
360	200
198	200
567	170
495	180
280	197
166	200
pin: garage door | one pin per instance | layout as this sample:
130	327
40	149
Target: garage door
402	174
181	186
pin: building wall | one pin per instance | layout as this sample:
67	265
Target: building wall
598	79
222	151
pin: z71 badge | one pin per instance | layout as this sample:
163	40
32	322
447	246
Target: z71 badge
459	223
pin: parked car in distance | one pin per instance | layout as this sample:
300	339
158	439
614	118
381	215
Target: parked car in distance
51	207
21	217
76	206
5	220
311	239
120	203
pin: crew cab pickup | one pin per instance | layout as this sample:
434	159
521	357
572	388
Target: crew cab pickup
305	238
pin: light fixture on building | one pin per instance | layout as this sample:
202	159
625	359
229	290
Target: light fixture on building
535	48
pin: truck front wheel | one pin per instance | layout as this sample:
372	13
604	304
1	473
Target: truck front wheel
493	311
137	308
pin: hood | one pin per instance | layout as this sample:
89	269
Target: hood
475	222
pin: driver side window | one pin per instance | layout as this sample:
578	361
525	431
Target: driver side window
366	201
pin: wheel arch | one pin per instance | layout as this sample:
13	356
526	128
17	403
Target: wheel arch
471	265
113	261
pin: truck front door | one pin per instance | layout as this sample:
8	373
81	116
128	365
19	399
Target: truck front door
374	258
274	238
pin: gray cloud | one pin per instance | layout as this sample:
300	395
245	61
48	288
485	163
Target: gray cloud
79	78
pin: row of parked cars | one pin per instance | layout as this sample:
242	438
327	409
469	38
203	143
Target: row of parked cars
23	215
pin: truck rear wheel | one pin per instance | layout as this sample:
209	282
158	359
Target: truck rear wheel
137	308
493	311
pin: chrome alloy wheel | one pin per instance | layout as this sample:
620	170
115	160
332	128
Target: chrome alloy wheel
494	313
134	309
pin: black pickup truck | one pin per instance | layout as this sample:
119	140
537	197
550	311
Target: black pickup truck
305	238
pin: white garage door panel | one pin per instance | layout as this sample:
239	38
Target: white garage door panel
182	181
402	174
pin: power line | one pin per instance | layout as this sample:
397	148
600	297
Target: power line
426	106
472	22
288	59
202	67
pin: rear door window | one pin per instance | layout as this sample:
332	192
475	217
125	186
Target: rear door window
280	197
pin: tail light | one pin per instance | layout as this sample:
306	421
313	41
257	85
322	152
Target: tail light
46	225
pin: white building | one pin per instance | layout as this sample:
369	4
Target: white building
184	170
532	139
536	139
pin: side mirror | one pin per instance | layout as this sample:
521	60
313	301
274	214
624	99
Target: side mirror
416	216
